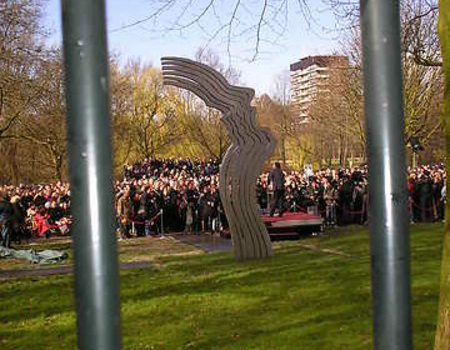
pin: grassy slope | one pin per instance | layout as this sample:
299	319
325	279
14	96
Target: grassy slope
300	299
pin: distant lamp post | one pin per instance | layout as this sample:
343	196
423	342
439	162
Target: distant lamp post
416	146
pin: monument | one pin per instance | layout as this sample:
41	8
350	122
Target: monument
251	145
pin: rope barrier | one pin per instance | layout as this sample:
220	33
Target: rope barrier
430	209
148	221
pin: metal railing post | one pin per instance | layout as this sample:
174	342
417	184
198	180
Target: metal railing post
389	219
162	222
218	218
90	161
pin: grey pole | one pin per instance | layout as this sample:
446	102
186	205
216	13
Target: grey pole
389	224
89	138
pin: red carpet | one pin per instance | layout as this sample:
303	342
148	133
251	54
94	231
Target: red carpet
292	219
290	224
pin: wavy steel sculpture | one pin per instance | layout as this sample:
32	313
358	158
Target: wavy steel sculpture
250	147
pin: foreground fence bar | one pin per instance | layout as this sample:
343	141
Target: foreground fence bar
389	218
95	251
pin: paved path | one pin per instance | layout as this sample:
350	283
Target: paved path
207	243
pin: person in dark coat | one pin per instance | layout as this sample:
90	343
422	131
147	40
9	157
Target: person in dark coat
438	204
5	220
139	212
345	201
214	196
276	178
204	209
261	194
192	196
153	221
426	198
17	219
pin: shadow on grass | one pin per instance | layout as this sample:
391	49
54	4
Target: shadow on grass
299	299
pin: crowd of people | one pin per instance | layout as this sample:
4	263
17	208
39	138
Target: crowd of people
161	195
39	210
341	196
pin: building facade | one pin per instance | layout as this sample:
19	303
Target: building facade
310	77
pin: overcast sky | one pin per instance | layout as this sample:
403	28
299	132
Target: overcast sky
150	41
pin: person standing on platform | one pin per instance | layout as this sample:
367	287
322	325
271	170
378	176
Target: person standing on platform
276	178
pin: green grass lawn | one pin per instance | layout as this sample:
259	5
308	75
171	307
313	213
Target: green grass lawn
313	294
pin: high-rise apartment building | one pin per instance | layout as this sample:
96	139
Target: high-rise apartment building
310	77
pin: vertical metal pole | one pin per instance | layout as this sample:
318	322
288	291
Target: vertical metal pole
90	161
389	224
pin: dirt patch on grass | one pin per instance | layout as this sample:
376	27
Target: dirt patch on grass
133	250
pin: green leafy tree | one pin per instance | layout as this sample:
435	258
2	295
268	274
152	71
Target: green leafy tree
144	116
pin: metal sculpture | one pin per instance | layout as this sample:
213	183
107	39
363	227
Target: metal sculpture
251	145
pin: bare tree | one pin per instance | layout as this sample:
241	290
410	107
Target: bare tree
282	87
338	114
419	35
202	124
342	108
419	26
45	126
258	23
21	50
281	94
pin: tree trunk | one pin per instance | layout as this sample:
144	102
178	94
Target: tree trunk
57	168
442	341
30	178
13	161
220	144
283	149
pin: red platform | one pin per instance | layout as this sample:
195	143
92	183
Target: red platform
290	224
